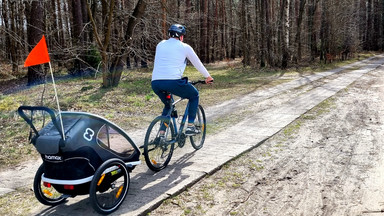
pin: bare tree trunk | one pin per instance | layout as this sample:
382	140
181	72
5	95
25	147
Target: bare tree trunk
60	33
298	30
35	28
311	28
324	33
117	67
223	50
164	18
382	26
54	12
103	45
376	25
232	35
13	46
284	33
268	34
204	31
244	36
369	30
85	20
209	33
54	21
215	33
67	36
262	33
5	19
78	36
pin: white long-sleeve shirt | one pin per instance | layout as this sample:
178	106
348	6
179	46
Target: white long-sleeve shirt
171	59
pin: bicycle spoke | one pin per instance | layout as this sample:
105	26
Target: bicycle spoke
158	151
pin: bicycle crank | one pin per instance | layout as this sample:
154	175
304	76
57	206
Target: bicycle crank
181	141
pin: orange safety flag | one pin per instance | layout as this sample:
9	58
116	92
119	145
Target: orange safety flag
38	55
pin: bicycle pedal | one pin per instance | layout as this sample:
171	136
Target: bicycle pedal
189	135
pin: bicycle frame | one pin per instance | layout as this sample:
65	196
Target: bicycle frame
184	119
158	147
174	120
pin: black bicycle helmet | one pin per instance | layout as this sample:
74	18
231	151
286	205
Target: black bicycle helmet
176	30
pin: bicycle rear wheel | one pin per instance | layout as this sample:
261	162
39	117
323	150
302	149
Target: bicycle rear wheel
158	150
197	141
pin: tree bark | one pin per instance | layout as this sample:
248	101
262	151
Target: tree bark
324	33
311	28
35	27
11	15
164	18
268	34
284	33
5	19
263	33
118	64
204	31
232	33
298	31
244	35
78	37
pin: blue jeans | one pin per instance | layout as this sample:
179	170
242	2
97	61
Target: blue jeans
181	88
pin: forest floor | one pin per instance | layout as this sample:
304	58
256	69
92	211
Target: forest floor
11	86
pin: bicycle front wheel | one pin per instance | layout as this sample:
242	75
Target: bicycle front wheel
158	149
197	140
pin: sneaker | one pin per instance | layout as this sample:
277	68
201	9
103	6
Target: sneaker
159	139
191	131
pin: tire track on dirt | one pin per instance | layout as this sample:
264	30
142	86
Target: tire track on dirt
346	157
229	106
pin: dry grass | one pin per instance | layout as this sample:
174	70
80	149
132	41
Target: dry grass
19	202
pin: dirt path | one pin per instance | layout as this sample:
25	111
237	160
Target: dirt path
328	162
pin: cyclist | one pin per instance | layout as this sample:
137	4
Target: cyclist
170	62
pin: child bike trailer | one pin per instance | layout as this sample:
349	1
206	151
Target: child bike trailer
82	154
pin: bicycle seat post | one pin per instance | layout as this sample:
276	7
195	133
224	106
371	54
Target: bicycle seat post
169	100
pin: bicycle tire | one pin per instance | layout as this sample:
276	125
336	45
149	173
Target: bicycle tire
197	140
158	152
109	186
46	194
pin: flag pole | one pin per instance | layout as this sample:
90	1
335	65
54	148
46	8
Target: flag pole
39	55
57	100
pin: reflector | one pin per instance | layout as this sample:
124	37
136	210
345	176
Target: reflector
69	187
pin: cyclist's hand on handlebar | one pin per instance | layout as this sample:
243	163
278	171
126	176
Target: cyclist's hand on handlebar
209	80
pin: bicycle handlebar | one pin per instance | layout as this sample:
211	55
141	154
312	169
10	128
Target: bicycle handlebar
199	81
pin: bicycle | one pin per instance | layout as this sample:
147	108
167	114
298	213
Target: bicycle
158	149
